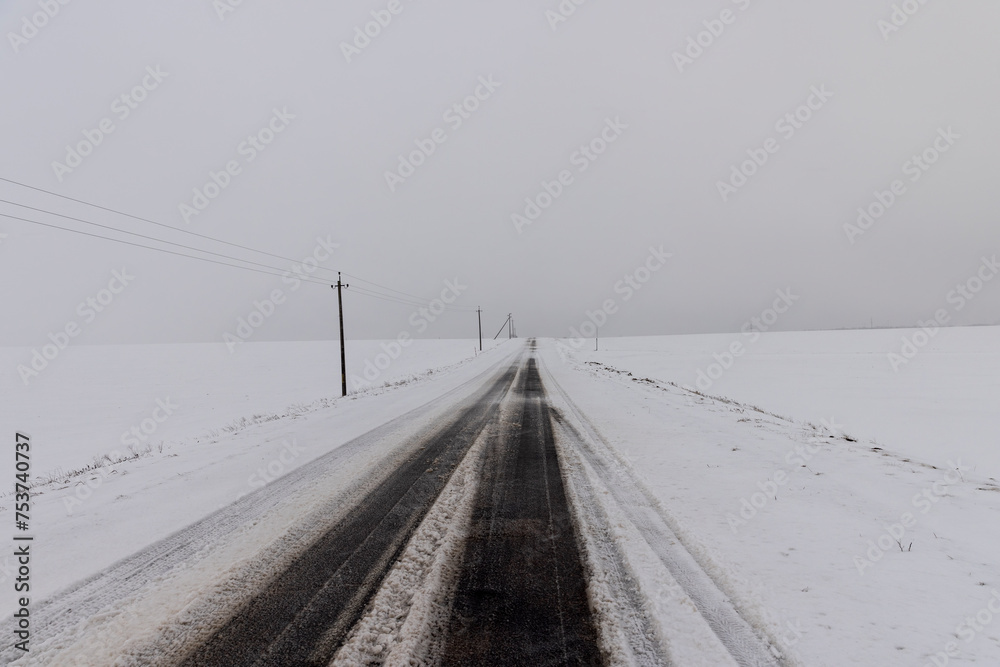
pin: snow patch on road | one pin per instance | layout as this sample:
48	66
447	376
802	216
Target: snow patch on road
629	635
407	620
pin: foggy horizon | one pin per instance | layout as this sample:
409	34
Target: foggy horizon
533	155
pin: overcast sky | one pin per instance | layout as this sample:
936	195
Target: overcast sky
613	68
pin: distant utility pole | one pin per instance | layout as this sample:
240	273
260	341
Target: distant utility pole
343	357
510	326
479	312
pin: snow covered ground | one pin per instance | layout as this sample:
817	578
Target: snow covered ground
846	550
88	400
945	402
241	420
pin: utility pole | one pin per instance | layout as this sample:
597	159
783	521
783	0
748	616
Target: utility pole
343	356
479	312
510	326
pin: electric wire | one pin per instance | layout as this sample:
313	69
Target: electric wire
147	220
142	236
412	296
411	299
169	252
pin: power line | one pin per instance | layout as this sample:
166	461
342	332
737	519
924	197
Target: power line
419	301
142	236
385	297
298	275
415	301
152	222
412	296
169	252
414	304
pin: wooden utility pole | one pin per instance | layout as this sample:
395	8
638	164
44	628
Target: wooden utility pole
510	326
479	312
343	356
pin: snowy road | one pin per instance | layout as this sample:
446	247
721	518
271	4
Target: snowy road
491	526
303	615
522	596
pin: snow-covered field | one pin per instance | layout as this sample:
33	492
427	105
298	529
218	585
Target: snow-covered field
240	421
943	404
848	551
88	400
845	550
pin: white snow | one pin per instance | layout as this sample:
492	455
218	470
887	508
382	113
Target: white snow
786	519
84	523
89	397
407	621
943	402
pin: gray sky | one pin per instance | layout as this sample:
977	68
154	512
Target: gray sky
655	185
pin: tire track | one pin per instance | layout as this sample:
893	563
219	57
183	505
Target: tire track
304	614
522	595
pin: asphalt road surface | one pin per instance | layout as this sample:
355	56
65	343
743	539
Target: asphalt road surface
522	596
304	615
